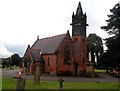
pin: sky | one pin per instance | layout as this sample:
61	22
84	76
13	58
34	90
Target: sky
21	21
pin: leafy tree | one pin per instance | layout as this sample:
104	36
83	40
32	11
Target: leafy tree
16	59
95	46
7	61
113	43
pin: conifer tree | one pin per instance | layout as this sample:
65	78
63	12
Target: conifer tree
112	55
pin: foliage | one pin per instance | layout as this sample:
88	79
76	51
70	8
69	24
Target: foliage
7	61
95	46
99	71
15	59
112	55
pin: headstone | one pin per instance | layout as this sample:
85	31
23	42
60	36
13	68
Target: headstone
61	82
20	84
37	75
90	69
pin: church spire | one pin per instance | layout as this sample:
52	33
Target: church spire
79	22
79	11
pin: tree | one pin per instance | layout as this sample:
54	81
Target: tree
113	43
16	59
7	61
95	46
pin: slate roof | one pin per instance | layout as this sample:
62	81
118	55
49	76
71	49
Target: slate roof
48	45
36	55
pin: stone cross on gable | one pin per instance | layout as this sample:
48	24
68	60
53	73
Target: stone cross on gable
90	56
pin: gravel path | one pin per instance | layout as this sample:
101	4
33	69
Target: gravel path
102	77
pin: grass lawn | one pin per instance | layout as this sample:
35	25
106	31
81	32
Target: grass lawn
100	71
10	83
0	82
0	78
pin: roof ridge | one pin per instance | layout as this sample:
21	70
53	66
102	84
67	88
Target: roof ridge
52	36
35	49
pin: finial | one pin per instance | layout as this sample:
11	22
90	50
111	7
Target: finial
68	32
38	37
73	14
28	46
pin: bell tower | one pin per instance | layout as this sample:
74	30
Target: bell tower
79	22
79	40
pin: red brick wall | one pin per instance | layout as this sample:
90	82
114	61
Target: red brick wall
60	56
80	52
50	68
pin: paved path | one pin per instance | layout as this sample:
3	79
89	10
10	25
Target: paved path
102	77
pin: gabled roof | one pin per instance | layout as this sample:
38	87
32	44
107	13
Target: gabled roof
48	45
33	53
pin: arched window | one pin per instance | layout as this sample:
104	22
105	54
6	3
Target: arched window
67	55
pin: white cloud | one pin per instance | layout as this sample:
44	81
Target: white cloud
4	52
8	49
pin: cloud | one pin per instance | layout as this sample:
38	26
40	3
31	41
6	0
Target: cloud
4	52
7	49
19	49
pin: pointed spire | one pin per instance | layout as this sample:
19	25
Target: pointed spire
73	14
79	10
85	15
28	49
68	32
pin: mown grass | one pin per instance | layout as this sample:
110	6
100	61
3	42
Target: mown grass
0	78
10	83
99	71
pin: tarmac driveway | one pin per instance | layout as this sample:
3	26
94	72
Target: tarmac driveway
102	77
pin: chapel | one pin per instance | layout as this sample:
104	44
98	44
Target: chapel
60	54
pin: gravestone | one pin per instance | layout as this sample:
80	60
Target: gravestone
61	82
20	84
37	75
90	69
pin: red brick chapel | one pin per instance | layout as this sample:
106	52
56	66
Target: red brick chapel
60	54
